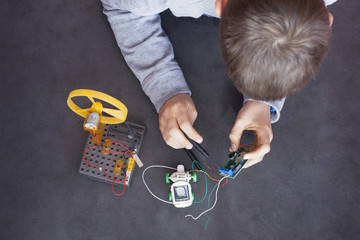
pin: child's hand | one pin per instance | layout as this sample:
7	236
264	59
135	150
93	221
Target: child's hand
253	116
177	113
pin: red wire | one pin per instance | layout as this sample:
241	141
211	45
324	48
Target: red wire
114	177
113	180
227	179
118	194
84	157
130	152
98	166
213	172
117	152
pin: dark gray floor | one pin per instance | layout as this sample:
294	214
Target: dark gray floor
306	188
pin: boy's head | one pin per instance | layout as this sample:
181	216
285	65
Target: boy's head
272	48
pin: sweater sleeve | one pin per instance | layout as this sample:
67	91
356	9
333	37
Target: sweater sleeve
276	105
148	52
329	2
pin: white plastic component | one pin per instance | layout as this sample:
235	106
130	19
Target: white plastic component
128	176
180	175
181	189
92	121
181	194
137	160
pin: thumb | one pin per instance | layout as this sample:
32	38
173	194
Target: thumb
259	152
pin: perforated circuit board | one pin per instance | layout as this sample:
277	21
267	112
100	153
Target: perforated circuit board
118	133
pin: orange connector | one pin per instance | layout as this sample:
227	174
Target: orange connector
118	166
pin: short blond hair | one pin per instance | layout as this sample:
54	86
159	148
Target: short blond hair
272	48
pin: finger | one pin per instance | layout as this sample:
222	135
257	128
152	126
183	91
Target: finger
167	138
188	129
263	138
252	162
235	135
192	113
173	143
258	153
175	136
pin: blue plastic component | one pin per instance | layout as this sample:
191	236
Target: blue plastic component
226	171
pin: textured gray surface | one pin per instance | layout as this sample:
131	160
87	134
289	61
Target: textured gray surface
306	188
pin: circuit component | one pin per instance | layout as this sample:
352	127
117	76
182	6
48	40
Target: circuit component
108	161
93	118
125	140
130	164
106	146
92	121
118	165
130	168
235	163
137	160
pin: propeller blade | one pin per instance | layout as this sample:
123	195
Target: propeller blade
83	112
91	99
114	113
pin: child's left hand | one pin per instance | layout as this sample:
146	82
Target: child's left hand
253	116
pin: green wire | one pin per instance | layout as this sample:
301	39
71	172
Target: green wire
206	186
209	201
192	166
209	205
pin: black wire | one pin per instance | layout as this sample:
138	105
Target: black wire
131	134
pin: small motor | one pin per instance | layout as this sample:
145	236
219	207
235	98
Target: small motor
92	122
93	118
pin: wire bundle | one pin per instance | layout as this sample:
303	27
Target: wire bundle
217	186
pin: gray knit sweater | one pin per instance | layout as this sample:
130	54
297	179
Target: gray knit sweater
147	50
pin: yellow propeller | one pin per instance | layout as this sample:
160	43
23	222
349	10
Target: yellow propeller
118	115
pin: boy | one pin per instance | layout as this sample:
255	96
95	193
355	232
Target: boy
271	48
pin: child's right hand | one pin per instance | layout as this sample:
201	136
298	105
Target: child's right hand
176	116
